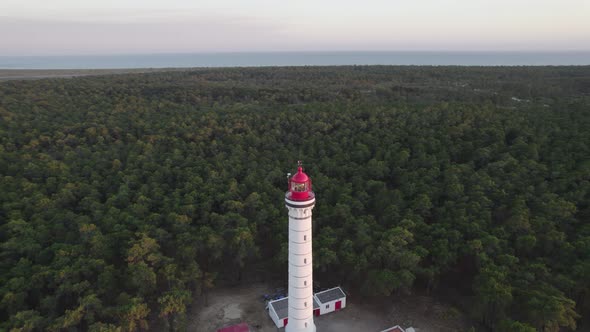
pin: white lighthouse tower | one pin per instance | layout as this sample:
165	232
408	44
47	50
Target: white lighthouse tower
300	200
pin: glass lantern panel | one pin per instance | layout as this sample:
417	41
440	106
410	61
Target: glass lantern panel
299	187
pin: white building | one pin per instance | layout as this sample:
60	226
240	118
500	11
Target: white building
278	311
296	311
323	302
331	300
300	200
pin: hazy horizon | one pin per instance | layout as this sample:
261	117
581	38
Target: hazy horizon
301	58
310	51
110	27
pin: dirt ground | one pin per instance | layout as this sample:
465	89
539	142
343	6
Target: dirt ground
230	306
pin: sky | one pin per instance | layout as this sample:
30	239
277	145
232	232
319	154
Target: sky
77	27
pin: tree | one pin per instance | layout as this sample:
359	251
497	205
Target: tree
550	312
173	304
507	325
144	185
494	294
134	315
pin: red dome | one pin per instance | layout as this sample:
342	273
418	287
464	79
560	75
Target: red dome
300	187
300	177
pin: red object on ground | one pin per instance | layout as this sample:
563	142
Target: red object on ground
300	186
242	327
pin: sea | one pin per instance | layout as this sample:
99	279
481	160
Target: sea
258	59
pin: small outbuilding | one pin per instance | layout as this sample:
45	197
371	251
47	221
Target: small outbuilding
330	300
278	311
324	302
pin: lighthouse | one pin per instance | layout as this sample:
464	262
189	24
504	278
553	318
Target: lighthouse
300	200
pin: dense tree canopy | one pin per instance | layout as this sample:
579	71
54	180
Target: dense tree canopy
125	198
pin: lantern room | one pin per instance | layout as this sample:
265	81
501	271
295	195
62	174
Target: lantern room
300	186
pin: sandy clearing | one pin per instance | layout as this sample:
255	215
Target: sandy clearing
232	305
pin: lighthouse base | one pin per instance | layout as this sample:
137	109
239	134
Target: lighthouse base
309	328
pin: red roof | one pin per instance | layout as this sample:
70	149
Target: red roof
242	327
300	177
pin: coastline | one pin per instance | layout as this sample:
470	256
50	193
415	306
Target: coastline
282	59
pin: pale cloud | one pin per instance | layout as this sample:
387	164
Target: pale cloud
30	27
200	34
